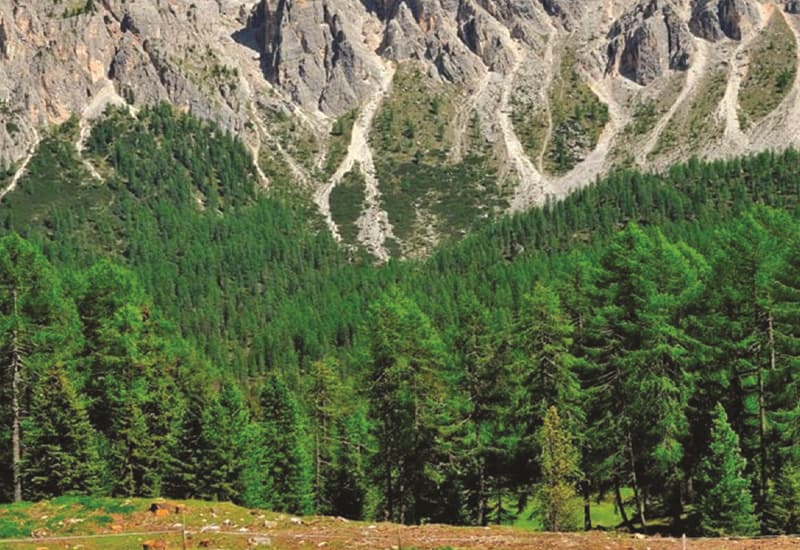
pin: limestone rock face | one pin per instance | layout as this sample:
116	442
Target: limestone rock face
718	19
279	72
648	40
313	50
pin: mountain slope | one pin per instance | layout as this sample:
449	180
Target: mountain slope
542	97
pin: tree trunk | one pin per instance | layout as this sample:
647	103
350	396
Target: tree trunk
621	506
676	505
587	506
389	495
635	484
317	460
481	493
762	438
16	376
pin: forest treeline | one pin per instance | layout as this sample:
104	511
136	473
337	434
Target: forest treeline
646	328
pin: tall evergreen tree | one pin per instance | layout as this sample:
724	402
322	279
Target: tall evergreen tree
486	436
726	505
406	397
543	339
136	403
37	326
559	463
60	442
646	357
284	437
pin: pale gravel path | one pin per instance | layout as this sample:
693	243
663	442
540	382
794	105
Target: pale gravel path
464	117
107	95
548	61
529	188
693	77
594	165
374	226
22	167
739	62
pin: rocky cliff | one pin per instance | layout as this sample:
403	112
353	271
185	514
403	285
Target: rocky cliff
542	95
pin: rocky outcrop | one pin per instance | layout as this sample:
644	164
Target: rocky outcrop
4	45
314	51
423	30
717	19
648	40
479	31
792	6
567	11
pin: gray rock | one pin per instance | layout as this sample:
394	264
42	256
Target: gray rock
311	50
792	6
718	19
648	40
4	44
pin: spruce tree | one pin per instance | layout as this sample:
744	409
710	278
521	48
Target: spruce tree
284	437
487	436
546	366
60	442
406	398
726	505
557	497
37	327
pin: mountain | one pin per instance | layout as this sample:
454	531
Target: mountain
409	122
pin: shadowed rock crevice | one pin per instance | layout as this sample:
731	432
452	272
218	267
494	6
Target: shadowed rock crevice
714	20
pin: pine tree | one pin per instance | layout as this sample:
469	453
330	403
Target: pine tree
559	463
543	337
136	404
781	513
325	401
37	326
60	442
405	394
646	356
487	435
284	437
224	431
783	390
726	505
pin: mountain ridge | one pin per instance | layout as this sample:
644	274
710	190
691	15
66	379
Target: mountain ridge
553	93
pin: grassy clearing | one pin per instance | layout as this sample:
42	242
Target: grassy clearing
116	524
63	515
604	513
695	124
111	518
414	122
347	204
771	73
530	122
578	118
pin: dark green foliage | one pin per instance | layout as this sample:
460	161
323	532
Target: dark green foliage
726	507
60	442
347	204
407	372
299	376
283	436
